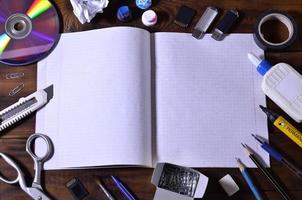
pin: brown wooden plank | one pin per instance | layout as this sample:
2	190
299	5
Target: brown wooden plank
6	85
138	179
167	10
26	127
277	138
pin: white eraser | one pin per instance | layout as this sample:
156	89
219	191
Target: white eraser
229	185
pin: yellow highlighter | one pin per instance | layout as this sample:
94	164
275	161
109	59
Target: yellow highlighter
284	126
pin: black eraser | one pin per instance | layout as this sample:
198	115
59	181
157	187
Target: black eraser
77	189
184	16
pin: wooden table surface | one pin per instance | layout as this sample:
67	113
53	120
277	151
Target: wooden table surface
13	140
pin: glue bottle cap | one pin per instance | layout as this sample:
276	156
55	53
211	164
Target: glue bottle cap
149	18
263	66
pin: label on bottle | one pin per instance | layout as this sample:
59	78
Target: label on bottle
290	87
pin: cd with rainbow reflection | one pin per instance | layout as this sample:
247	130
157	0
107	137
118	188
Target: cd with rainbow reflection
29	30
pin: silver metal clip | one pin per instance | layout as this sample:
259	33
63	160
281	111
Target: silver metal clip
16	90
14	75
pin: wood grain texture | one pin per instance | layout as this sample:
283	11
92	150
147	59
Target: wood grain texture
138	179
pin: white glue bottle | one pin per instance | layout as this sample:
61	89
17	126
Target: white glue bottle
282	84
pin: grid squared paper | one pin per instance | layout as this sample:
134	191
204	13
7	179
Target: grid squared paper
100	112
207	96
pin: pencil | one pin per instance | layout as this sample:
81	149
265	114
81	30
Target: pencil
249	180
277	156
268	175
106	192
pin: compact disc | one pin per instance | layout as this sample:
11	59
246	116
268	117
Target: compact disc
29	30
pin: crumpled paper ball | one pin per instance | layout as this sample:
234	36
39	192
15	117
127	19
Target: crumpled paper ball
85	10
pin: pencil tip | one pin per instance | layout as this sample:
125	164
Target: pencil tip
243	145
97	181
264	109
258	139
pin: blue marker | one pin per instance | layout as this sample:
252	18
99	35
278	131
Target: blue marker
124	14
249	180
144	4
277	156
122	188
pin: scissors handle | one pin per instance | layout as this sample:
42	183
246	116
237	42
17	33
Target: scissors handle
39	161
20	176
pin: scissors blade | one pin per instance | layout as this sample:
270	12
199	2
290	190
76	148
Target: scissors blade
37	185
37	194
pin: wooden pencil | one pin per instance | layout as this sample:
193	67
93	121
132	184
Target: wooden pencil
267	174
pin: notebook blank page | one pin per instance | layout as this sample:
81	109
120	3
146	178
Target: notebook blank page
207	97
100	113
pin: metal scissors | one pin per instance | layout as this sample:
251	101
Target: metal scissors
36	190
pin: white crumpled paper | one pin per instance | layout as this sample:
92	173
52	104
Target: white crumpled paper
85	10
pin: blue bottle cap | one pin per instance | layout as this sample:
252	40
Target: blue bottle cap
124	14
144	4
263	67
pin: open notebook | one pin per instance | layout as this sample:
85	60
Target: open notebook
124	96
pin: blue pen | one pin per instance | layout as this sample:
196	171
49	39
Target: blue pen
249	180
277	156
122	188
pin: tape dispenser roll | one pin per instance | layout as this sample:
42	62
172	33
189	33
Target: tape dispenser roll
282	17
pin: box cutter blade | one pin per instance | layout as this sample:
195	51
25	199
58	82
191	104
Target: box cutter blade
24	107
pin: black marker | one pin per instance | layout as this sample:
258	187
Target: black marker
284	126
